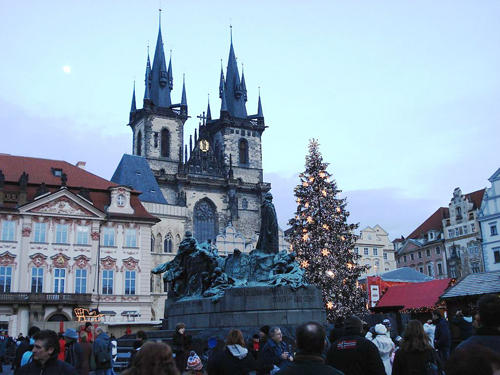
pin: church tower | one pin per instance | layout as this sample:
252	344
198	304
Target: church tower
158	128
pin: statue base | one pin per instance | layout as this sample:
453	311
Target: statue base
248	307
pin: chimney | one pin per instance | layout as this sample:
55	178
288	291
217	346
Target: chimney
81	164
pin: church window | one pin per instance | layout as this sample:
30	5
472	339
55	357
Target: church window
139	144
165	143
156	139
152	243
238	132
204	221
168	245
243	151
244	204
493	229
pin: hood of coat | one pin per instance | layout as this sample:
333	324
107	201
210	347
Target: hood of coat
237	351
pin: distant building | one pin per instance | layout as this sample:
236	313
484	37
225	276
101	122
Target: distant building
70	239
489	221
376	250
462	234
424	250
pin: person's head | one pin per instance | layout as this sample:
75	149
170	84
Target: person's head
194	362
98	331
235	337
88	326
436	314
353	323
339	322
488	309
83	336
141	335
180	327
380	329
415	338
311	338
32	331
264	331
466	312
70	335
387	324
154	358
275	334
46	346
255	338
477	360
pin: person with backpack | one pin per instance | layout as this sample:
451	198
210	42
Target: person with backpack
102	353
74	353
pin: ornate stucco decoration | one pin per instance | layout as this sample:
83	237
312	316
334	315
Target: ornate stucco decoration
62	206
130	264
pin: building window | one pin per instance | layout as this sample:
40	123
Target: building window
473	249
40	233
109	237
8	230
431	236
375	251
440	269
139	144
428	253
475	267
457	232
419	255
429	270
59	280
243	151
61	233
450	233
421	269
365	251
167	245
466	231
130	237
404	258
438	250
129	282
412	256
493	230
107	282
356	250
473	227
5	279
399	259
459	213
496	254
82	235
80	281
36	280
165	143
453	272
386	256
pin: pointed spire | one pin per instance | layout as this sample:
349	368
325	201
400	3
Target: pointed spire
235	101
170	74
184	105
223	105
190	143
209	113
260	114
147	80
133	107
160	93
222	83
185	154
195	137
243	84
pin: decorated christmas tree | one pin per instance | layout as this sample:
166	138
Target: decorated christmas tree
324	241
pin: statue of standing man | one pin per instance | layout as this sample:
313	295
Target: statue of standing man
268	237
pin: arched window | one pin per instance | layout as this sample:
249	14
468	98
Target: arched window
139	143
243	151
205	220
167	244
165	143
152	243
244	204
158	243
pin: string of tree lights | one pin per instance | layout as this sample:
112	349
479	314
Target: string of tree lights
324	241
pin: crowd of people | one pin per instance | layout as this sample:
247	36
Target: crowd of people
352	348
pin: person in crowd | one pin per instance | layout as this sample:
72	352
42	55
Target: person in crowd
353	354
3	348
45	362
180	345
385	346
275	352
309	360
235	359
19	339
442	336
87	328
263	337
62	346
154	358
387	324
114	348
338	329
430	329
194	365
142	336
102	353
415	351
74	353
136	346
474	360
87	354
488	316
28	342
254	346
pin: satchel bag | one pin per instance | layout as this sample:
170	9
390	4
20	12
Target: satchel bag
432	367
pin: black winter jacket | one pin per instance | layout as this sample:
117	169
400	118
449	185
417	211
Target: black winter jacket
309	365
411	363
74	355
442	336
53	366
354	355
225	363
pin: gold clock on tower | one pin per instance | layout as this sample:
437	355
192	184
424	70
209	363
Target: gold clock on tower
204	145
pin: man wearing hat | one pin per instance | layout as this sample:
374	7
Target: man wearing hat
353	354
74	352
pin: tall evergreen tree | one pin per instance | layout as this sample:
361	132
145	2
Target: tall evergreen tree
324	241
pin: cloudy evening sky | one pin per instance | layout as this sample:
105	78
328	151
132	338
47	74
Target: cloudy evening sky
402	95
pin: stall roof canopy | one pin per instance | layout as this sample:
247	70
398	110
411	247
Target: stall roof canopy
414	296
475	284
404	274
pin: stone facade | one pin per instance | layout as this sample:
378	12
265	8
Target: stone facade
376	250
489	221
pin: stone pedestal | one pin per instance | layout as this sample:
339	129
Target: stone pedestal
248	307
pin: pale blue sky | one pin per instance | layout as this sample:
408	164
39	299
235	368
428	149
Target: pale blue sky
403	95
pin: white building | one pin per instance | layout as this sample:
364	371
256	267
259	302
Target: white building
489	221
376	250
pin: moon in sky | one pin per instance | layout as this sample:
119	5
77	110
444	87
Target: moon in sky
66	69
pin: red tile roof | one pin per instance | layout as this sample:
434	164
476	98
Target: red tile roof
415	295
476	197
434	222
